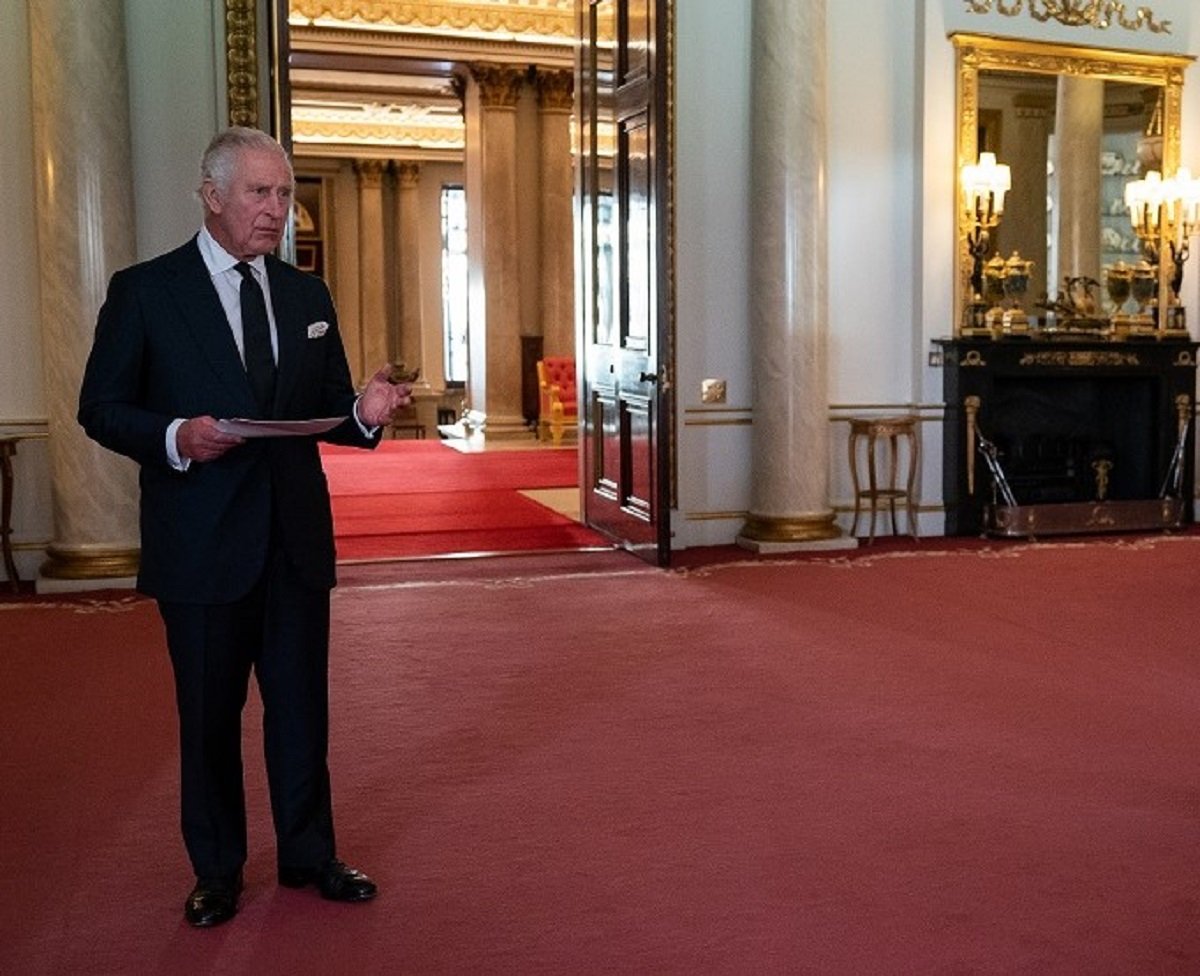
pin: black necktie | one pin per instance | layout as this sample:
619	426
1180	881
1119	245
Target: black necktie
256	340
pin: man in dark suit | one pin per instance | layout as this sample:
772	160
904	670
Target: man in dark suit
237	533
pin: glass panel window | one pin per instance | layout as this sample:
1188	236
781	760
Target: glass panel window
454	282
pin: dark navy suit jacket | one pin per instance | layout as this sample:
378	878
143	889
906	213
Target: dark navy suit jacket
163	349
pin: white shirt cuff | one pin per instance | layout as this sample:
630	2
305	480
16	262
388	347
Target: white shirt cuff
367	431
173	458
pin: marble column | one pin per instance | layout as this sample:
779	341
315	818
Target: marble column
556	90
1079	126
85	223
408	265
372	286
789	303
493	225
1024	227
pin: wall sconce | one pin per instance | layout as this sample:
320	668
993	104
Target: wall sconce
1166	210
984	185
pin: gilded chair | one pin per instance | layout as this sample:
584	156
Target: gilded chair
558	410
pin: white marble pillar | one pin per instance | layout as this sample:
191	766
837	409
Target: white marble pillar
408	265
556	280
788	324
85	233
1079	125
1024	227
498	237
372	286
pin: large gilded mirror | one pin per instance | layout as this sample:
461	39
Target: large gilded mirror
1073	126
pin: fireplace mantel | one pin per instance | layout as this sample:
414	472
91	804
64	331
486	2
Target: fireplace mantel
1075	421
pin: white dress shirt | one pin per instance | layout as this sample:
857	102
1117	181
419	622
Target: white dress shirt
227	280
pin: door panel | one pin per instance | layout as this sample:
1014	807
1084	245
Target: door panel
622	230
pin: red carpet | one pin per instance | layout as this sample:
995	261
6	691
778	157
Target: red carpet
942	761
411	498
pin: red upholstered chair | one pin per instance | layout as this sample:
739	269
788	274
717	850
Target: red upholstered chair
558	411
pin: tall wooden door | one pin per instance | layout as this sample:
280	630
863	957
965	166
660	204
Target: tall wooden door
623	247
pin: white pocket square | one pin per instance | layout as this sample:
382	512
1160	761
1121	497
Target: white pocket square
317	329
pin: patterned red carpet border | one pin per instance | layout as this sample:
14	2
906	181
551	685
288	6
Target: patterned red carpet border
521	569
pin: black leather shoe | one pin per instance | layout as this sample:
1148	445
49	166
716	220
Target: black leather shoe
333	879
213	901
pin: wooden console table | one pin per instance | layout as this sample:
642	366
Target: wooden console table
1083	427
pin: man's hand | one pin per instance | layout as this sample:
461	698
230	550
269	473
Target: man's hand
382	398
199	439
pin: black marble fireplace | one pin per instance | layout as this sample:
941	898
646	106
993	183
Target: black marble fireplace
1074	423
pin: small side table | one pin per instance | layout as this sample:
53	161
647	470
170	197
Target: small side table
8	448
891	429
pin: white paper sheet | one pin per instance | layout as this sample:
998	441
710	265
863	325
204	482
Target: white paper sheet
277	428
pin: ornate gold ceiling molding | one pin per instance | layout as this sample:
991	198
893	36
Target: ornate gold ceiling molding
559	53
1100	14
553	19
307	131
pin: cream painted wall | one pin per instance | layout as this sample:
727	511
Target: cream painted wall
22	403
874	207
891	129
176	100
712	243
20	366
876	254
176	70
891	195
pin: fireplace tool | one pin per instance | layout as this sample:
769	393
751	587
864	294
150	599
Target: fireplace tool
1173	482
991	457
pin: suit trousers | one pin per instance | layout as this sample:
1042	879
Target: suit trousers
280	630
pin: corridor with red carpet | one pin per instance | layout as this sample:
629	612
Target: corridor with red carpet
410	499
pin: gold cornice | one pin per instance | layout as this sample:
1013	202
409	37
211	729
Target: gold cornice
241	61
980	51
312	132
559	54
532	18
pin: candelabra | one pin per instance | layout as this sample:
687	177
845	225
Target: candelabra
1166	212
984	185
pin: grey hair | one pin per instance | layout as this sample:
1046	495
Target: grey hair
219	159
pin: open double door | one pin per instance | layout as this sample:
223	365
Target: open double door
623	251
623	227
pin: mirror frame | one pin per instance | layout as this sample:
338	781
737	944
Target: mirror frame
978	52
